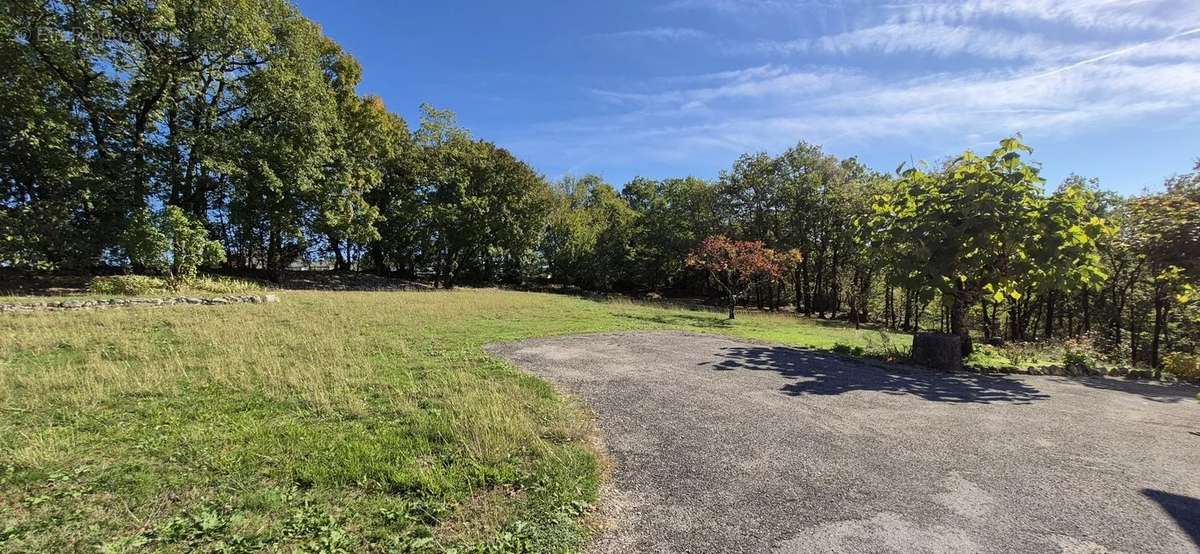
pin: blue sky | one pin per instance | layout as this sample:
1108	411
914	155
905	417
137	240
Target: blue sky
1103	88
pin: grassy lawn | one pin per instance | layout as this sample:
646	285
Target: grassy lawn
329	421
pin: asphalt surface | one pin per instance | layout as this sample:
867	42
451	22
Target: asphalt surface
727	446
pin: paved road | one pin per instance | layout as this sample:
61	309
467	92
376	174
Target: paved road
726	446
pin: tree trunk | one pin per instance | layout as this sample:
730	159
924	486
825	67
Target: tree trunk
1133	334
1050	314
799	291
732	305
908	308
1160	319
339	261
958	323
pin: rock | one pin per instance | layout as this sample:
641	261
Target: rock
1140	374
270	298
218	300
652	296
72	304
937	351
193	300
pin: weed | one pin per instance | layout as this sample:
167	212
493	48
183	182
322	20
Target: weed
127	285
848	350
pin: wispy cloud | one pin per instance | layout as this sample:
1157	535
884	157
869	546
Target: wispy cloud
1082	14
658	34
909	72
928	38
753	83
768	107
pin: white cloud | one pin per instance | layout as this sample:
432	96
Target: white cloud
658	34
768	107
1055	67
929	38
1081	14
752	83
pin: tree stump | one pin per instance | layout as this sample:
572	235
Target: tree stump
937	351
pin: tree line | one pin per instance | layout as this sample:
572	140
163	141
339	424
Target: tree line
242	119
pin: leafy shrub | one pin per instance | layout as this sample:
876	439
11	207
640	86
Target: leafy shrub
847	350
986	355
225	285
1140	374
1079	352
173	243
127	285
1183	366
1020	353
880	344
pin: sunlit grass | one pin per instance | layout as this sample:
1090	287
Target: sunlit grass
362	420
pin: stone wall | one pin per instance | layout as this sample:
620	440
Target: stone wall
94	304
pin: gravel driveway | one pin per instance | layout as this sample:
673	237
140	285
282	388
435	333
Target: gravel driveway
727	446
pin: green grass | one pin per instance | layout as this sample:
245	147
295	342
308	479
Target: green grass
329	421
120	286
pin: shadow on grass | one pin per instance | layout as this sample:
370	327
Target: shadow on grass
1185	510
812	373
1155	392
697	320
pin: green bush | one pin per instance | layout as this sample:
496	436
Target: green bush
1080	352
986	355
847	350
127	285
1020	354
1183	366
171	242
225	285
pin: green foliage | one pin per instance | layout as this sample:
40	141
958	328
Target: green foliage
848	350
245	117
1183	366
590	235
1080	352
672	216
1021	354
224	285
126	285
172	243
980	229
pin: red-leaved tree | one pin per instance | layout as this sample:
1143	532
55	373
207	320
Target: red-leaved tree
735	265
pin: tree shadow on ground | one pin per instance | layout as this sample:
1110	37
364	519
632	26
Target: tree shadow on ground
813	373
1185	510
1155	392
698	320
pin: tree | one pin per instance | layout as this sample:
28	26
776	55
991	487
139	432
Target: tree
1165	232
172	243
590	233
673	215
278	151
484	211
965	231
734	265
